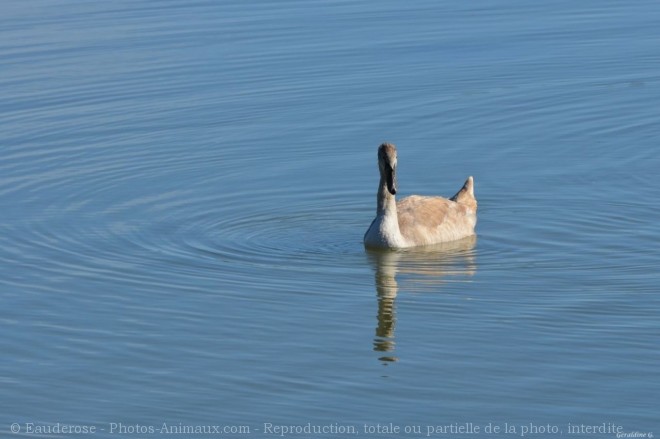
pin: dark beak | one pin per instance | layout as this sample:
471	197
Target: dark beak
391	181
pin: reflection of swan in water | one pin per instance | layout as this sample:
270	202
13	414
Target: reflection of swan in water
429	266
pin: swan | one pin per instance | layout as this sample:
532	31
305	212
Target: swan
417	220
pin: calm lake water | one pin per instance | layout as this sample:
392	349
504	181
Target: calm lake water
184	188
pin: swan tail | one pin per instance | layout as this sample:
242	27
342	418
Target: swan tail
466	194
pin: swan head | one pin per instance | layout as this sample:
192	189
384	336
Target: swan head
387	165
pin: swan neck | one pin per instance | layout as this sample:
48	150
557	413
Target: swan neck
386	201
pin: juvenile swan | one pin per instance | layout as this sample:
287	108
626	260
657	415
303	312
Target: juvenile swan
417	220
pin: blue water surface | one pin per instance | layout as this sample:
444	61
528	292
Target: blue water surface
184	187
